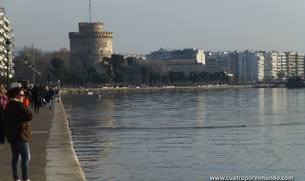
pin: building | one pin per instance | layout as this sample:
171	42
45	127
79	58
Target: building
211	62
89	46
6	58
281	65
251	66
185	60
270	65
234	65
295	64
218	62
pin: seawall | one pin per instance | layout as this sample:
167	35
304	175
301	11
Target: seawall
172	88
62	162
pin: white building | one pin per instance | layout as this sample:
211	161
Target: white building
6	57
185	60
183	54
251	66
282	64
270	67
218	62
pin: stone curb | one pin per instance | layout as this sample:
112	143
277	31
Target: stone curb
62	162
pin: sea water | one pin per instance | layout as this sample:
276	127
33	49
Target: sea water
189	135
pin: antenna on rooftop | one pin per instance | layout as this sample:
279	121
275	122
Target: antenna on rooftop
90	11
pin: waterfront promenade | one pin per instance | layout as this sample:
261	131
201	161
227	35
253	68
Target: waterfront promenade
52	153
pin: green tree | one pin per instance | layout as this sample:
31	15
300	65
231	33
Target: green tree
153	77
144	73
58	71
205	76
91	70
57	63
173	77
281	75
76	78
131	60
119	77
100	78
114	66
181	77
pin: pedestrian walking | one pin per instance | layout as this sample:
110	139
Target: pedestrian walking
37	98
17	119
51	97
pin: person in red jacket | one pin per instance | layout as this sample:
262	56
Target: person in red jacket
17	119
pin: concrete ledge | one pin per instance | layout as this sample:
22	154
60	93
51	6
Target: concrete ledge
62	162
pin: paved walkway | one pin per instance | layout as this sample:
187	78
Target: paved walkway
52	153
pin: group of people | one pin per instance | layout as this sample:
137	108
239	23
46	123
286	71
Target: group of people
15	117
39	96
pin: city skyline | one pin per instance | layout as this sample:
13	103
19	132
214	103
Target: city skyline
141	27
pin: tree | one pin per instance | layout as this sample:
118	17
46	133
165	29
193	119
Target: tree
119	77
76	78
62	54
181	76
173	77
114	65
281	75
100	78
41	62
165	78
144	73
91	70
58	71
57	63
205	76
130	60
153	77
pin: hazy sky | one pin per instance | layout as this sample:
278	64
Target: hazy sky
143	26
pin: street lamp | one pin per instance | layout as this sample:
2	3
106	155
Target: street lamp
8	49
30	67
34	68
25	62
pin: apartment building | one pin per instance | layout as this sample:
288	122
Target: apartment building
183	54
234	65
251	66
295	64
281	64
185	60
6	57
270	65
246	66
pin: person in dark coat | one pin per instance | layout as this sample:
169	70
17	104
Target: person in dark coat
17	119
37	96
51	95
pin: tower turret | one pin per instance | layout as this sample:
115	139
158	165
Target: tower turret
89	46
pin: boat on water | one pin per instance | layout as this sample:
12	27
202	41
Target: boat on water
295	82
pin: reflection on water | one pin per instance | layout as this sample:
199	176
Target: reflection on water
189	135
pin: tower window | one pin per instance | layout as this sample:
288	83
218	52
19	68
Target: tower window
101	51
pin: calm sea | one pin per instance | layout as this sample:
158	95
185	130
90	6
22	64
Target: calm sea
189	135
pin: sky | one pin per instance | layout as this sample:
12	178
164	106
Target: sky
144	26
